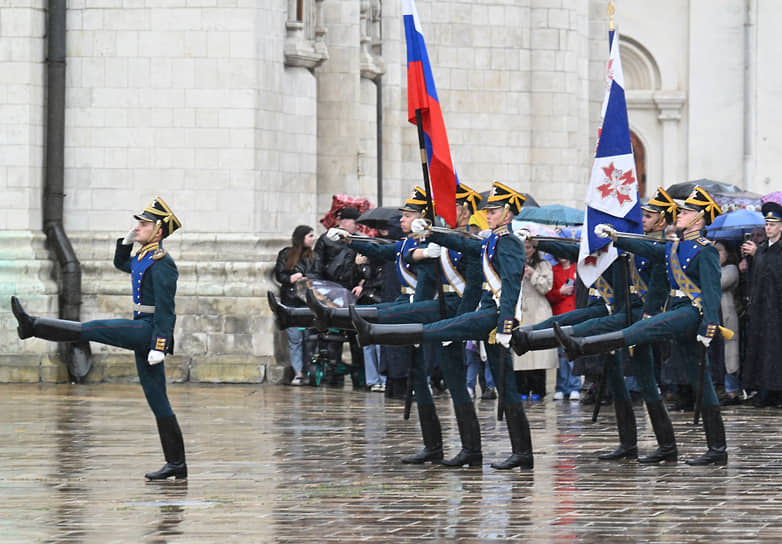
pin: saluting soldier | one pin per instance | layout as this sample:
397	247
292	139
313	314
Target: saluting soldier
150	334
502	263
692	318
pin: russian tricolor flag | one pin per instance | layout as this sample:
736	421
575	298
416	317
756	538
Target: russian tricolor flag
422	95
612	196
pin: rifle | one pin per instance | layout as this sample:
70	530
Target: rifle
411	354
370	239
699	390
463	233
501	382
554	239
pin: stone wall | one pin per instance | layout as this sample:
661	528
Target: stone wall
224	331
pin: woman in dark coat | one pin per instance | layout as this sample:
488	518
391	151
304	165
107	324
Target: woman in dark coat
294	264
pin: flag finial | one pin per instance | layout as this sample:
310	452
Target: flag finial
611	11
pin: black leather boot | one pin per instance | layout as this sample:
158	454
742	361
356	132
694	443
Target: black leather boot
289	316
588	345
388	335
470	433
663	430
433	439
530	340
717	454
625	423
58	330
173	450
327	317
518	340
520	439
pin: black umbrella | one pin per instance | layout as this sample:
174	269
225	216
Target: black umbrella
682	190
379	218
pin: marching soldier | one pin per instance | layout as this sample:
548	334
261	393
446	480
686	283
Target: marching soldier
605	311
648	289
692	317
461	278
502	262
149	334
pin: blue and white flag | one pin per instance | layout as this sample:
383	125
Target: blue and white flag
612	196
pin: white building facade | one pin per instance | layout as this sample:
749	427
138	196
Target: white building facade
247	116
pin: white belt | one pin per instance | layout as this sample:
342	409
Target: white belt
143	309
408	290
449	289
677	293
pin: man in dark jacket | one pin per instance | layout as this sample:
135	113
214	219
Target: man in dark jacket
764	343
336	261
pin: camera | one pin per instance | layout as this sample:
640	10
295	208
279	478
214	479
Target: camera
747	236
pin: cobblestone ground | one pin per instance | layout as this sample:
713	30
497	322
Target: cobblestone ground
282	464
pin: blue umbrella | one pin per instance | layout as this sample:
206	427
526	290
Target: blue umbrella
734	225
554	214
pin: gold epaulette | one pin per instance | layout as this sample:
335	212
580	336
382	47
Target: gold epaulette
502	230
159	254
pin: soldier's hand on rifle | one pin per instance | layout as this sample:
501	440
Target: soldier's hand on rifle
503	339
432	251
130	237
419	225
605	231
705	340
334	234
155	357
523	234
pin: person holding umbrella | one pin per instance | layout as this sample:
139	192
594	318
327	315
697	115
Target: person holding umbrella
764	343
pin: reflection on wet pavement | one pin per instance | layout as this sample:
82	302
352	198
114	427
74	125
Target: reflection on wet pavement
279	464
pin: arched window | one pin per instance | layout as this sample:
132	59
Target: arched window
639	153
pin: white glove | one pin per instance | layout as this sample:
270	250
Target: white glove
503	339
155	357
419	225
705	340
523	234
432	251
130	237
335	234
605	231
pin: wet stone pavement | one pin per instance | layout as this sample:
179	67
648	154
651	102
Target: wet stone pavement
282	464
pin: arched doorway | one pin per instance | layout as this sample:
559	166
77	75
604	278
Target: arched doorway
640	163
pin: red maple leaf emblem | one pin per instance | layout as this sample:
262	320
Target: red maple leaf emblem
616	183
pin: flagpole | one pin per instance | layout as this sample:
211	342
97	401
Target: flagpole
424	166
429	204
411	369
611	11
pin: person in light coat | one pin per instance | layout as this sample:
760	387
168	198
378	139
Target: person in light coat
531	367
